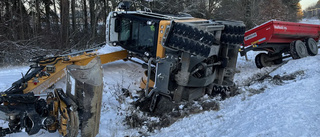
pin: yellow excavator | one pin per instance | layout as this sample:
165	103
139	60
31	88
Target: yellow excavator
185	58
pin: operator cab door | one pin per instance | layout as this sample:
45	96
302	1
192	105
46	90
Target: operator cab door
111	34
138	34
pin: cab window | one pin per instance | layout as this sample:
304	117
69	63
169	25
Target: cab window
137	36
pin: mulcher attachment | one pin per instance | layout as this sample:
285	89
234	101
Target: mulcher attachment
191	39
232	37
201	59
233	32
204	39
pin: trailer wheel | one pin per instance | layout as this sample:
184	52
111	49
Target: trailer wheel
298	49
312	46
263	60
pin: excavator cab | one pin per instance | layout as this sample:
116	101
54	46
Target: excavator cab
137	34
133	33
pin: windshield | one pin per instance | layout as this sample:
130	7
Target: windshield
137	35
125	30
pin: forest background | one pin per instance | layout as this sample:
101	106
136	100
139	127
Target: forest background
48	27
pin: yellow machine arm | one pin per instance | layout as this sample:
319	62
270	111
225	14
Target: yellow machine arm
56	71
65	111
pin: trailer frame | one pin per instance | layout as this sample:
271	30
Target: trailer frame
279	38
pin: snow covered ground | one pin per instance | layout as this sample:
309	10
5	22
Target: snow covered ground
285	103
311	21
286	109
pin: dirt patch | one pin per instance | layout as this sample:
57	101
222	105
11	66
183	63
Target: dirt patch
267	81
167	113
294	75
256	91
279	80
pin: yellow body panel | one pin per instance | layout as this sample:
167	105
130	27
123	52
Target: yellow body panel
105	58
162	28
64	117
110	57
143	83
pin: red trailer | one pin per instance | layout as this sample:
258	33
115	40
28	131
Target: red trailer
277	37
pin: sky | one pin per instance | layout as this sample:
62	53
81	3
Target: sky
306	3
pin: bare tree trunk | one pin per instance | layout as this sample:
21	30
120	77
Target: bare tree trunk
64	4
9	19
2	7
73	4
85	12
107	7
38	24
1	25
247	17
55	11
7	6
22	33
13	21
47	8
7	11
92	18
105	10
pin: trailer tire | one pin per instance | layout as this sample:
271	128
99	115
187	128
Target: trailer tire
298	49
262	60
312	46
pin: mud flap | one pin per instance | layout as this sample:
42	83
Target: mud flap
84	87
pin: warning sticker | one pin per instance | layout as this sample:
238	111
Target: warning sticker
253	35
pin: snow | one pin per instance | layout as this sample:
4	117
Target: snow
108	49
311	21
263	108
10	75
